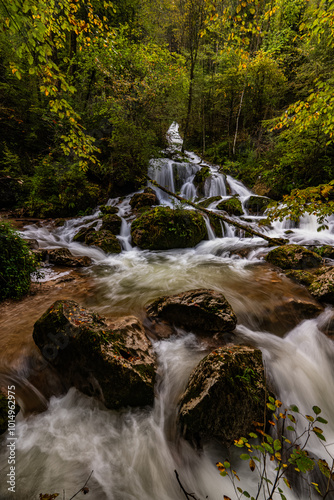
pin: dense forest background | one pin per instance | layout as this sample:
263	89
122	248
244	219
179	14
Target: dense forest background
89	88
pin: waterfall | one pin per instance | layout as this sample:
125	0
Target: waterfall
134	452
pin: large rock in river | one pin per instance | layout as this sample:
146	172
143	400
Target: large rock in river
202	311
163	228
105	240
63	257
293	257
322	288
225	395
110	360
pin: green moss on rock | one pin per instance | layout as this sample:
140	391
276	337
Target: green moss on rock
105	240
111	222
208	201
293	257
201	310
163	228
232	206
107	210
111	360
224	395
146	199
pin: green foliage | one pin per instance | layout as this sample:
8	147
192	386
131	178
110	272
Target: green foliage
318	201
284	446
16	264
60	190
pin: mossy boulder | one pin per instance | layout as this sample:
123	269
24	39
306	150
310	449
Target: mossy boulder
303	277
202	311
205	203
111	360
163	228
142	200
325	251
232	206
107	210
322	287
224	396
256	205
105	240
63	257
293	257
111	222
83	233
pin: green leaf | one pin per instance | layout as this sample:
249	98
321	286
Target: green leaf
316	410
321	420
277	445
268	448
271	407
244	456
294	408
290	428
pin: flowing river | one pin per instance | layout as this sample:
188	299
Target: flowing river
134	453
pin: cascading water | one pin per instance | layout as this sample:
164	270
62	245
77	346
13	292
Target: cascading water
134	452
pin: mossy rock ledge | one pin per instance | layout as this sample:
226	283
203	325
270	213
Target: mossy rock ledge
232	206
105	240
163	228
111	360
293	257
111	222
63	257
146	199
224	396
202	311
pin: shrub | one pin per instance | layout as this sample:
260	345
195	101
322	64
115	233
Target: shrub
16	263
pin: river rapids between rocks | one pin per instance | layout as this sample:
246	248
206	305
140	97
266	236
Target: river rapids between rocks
134	453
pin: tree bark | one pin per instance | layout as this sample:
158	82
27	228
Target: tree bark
244	227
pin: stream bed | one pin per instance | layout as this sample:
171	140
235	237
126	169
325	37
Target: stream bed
134	453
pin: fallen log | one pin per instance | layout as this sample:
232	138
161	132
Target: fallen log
244	227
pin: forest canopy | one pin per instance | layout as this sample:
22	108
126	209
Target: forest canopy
88	90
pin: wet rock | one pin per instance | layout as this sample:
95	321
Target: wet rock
59	222
322	288
205	203
287	314
107	210
63	257
293	257
146	199
163	228
111	222
215	223
202	311
83	233
111	360
325	251
303	277
200	177
232	206
256	205
105	240
224	396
